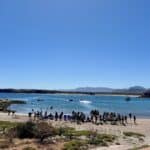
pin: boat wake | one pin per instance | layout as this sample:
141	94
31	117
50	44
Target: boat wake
85	102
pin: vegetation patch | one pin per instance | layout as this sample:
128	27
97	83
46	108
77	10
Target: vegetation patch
133	134
79	140
75	145
7	124
92	139
82	133
141	147
25	130
101	139
67	131
29	148
45	130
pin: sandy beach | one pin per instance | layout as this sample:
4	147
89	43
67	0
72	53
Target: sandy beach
142	126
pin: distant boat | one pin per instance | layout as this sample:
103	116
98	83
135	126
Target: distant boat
128	99
70	100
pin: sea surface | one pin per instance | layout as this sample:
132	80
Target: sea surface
84	103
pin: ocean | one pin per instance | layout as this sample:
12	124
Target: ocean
85	103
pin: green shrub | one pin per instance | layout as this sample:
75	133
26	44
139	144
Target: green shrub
7	124
26	130
67	131
101	139
75	145
40	130
82	133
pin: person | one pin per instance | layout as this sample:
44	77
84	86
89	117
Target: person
29	114
88	119
65	117
45	115
119	118
134	119
13	113
51	117
60	116
126	119
56	116
34	115
130	116
9	112
122	119
40	113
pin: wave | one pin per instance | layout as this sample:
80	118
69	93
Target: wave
85	101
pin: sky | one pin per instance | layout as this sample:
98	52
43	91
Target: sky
74	43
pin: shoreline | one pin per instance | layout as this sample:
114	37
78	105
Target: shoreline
26	114
21	116
53	92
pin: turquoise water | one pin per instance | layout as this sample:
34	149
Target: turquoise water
60	102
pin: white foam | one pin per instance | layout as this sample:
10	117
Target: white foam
85	101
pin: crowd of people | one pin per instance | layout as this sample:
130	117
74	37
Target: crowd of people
95	117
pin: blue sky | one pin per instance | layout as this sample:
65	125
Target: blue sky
73	43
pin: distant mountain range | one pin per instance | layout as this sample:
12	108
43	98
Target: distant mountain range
134	89
93	89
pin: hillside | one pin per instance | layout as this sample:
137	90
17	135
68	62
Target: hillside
135	90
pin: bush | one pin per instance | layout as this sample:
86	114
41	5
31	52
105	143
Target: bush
75	145
44	130
26	130
40	130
